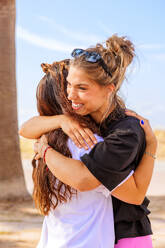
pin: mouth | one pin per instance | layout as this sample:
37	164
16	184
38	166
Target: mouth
76	106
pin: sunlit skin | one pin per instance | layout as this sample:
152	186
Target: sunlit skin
87	96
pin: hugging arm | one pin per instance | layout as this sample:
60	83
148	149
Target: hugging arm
112	161
39	125
134	189
76	174
138	183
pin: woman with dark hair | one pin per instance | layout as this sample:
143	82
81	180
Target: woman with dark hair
95	76
52	100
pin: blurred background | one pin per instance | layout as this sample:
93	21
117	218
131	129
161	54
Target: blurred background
47	31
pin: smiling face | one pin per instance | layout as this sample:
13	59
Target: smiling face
87	96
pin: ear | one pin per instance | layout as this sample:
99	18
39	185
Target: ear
111	88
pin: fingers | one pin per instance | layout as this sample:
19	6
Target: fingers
35	147
83	137
76	139
91	136
132	113
88	138
145	124
143	121
43	139
37	156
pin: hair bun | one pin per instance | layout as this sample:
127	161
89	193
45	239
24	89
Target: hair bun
112	45
46	67
121	47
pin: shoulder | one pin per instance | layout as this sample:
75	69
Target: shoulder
125	129
129	124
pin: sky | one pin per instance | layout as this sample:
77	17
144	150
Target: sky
48	31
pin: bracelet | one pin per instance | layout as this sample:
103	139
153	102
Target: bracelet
150	154
48	147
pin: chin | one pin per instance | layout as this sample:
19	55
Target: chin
79	112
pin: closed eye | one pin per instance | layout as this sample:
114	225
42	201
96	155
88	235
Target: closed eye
82	88
77	86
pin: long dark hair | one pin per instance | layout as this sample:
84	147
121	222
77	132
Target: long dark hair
52	100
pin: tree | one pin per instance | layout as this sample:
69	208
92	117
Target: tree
12	183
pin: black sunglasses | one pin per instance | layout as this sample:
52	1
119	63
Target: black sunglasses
92	57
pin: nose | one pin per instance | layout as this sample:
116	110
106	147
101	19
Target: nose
72	95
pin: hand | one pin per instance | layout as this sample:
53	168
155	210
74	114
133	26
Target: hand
39	147
79	135
144	123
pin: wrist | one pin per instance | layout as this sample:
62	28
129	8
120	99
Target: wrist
151	150
44	146
152	155
45	149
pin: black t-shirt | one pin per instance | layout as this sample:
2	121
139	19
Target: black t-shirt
111	161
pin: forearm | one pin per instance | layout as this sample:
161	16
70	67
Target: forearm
70	171
38	125
144	171
134	189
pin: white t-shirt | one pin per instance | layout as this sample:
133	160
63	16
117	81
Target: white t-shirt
86	221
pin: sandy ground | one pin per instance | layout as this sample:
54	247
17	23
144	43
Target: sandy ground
20	223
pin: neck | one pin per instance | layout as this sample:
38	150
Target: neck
101	116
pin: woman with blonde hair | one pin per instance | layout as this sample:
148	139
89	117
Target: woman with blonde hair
95	76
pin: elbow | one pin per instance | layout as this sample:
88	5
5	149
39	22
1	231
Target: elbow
134	200
81	186
22	132
85	180
138	200
81	189
85	184
26	129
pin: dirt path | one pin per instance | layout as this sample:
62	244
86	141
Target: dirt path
20	224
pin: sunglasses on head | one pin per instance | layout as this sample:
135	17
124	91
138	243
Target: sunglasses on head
92	57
